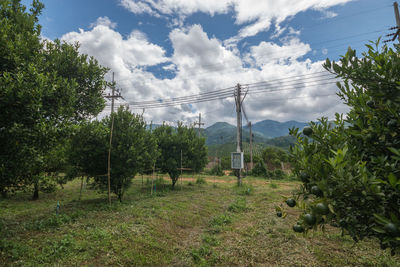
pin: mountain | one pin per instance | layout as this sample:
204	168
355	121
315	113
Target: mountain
267	131
224	133
220	133
271	129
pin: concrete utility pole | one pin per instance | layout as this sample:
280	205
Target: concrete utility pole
199	123
238	102
112	97
396	13
251	147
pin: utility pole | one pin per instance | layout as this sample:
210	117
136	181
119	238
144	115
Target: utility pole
181	169
251	147
239	147
112	97
397	28
396	13
199	123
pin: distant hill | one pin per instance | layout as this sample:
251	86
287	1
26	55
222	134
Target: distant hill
224	133
263	131
271	129
267	132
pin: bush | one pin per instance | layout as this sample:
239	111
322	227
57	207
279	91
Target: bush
279	174
216	170
259	170
350	169
201	180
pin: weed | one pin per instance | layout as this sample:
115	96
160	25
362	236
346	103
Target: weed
273	185
220	220
52	221
238	206
244	190
210	240
201	180
58	249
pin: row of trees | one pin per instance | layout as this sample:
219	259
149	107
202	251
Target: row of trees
135	149
351	168
48	95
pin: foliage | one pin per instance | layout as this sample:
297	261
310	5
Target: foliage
259	169
278	174
217	170
133	148
45	87
173	143
274	156
200	180
226	163
354	163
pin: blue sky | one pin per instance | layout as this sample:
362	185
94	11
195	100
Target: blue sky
172	48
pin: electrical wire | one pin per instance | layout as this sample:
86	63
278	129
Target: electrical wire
229	91
282	87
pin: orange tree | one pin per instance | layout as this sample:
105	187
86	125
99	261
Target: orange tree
176	142
350	167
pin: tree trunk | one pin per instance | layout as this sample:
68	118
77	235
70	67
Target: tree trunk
36	191
174	182
80	192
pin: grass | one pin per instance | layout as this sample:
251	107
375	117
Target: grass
200	225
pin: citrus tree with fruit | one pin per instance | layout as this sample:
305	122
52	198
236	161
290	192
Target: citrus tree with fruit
349	167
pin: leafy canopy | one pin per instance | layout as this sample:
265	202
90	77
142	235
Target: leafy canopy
352	165
45	87
171	142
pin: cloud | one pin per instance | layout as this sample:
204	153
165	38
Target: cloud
114	50
256	16
202	64
104	21
329	14
139	7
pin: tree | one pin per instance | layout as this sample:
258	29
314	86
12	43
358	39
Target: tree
259	169
171	142
132	147
45	87
350	168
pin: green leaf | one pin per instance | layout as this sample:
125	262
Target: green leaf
392	179
378	230
394	151
380	219
328	63
381	181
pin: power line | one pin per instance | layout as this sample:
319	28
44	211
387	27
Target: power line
347	16
281	87
227	91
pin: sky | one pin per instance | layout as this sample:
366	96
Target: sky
170	49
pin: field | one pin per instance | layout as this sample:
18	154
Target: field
208	222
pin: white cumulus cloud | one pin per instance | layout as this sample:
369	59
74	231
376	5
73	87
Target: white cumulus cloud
202	64
255	15
105	21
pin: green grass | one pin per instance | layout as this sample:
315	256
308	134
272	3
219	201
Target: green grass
205	225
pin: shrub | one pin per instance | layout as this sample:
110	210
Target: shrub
350	169
201	180
216	170
259	170
279	174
